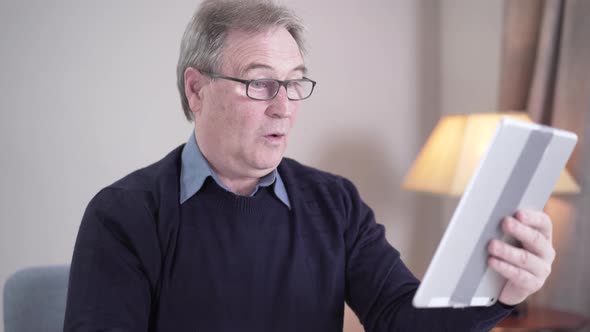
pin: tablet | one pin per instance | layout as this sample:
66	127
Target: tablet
519	170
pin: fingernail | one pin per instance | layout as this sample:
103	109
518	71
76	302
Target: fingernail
495	247
511	222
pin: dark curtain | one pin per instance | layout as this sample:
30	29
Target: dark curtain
545	71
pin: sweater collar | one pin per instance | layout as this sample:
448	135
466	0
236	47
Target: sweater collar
195	169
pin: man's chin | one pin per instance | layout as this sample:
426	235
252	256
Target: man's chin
268	164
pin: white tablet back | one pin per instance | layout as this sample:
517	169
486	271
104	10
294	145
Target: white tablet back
519	170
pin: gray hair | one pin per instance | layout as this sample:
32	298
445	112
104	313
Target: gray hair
202	42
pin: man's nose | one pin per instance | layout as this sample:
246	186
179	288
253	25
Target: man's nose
280	106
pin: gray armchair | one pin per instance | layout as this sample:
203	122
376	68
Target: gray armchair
35	299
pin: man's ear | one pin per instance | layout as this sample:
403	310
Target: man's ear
194	81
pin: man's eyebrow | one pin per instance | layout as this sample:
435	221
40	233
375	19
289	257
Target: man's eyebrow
253	66
301	68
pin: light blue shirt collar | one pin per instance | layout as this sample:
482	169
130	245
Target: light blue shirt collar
195	169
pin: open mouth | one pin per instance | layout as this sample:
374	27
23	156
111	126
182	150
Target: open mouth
274	137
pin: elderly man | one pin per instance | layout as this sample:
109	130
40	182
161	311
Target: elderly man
224	234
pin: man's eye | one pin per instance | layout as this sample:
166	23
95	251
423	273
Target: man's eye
260	84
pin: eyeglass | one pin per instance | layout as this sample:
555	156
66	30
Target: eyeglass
267	89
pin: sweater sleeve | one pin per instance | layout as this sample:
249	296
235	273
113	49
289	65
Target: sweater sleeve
114	265
380	288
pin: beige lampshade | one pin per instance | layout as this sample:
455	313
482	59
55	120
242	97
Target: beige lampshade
453	150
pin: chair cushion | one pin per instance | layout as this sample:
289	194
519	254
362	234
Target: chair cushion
35	299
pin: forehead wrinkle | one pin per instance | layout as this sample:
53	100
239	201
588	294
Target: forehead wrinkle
243	70
263	59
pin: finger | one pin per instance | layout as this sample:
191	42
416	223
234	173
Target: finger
519	277
537	220
531	238
520	258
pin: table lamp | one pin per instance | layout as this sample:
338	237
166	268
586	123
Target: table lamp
453	150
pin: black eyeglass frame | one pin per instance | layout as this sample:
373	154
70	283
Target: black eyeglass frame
247	83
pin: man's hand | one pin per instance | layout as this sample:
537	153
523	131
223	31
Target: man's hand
528	267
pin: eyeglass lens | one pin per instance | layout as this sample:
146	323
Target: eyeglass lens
267	89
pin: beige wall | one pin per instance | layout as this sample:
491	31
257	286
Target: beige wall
471	36
88	94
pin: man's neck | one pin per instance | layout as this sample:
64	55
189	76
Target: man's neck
239	186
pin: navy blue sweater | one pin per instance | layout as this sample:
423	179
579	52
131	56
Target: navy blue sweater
222	262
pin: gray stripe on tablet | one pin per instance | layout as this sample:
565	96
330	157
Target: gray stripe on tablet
507	203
